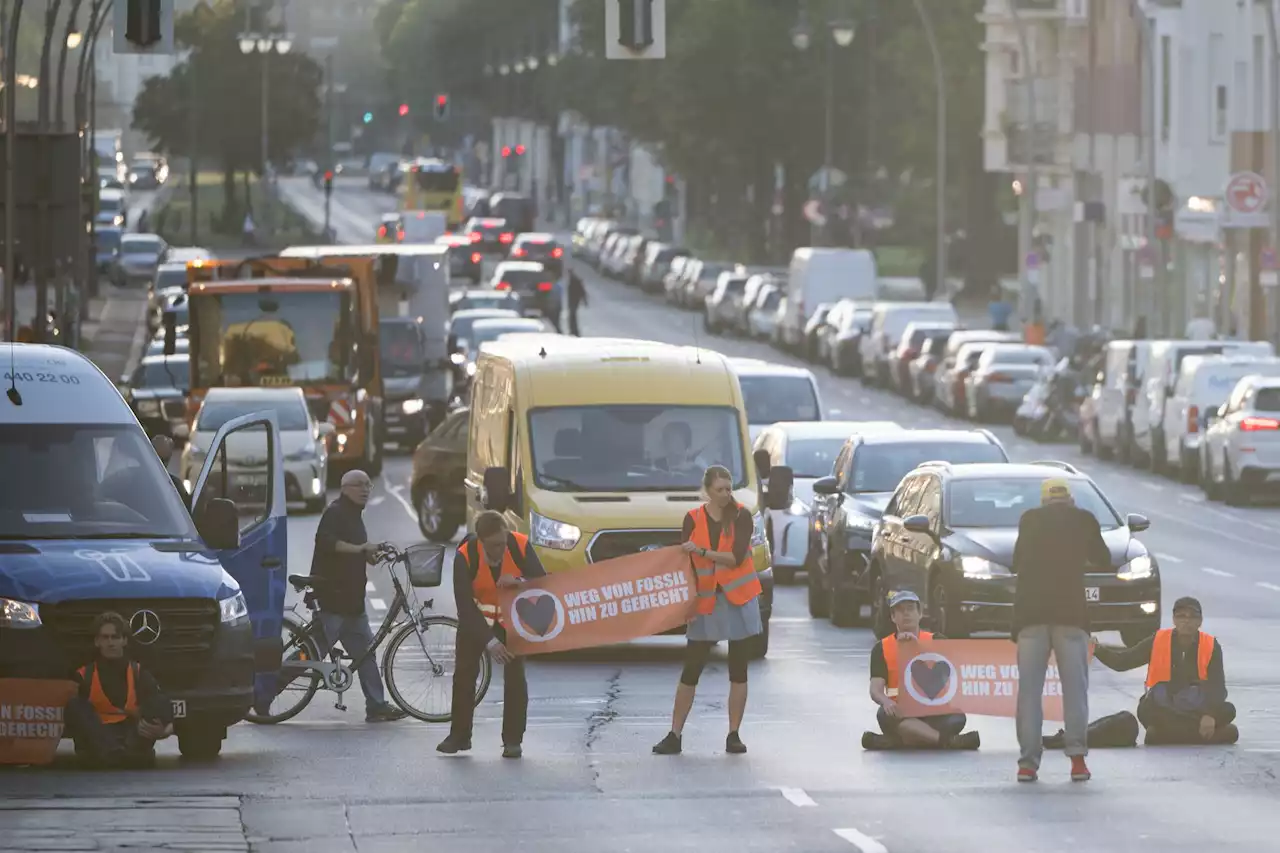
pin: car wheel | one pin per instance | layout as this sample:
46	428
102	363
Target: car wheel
1212	491
435	520
1086	445
1188	467
1234	492
201	742
1101	447
1158	462
819	597
881	624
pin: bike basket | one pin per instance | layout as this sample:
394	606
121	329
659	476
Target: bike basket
426	564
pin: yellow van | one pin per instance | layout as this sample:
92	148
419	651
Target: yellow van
570	439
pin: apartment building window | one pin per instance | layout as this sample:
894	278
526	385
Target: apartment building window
1166	86
1217	73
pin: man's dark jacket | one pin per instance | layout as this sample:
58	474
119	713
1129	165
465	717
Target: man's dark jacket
1057	544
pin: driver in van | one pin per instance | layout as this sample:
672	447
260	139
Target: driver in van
677	449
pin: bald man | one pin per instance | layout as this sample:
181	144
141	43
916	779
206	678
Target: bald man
342	551
164	449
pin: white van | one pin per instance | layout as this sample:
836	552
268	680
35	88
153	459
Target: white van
1204	383
1123	371
888	321
1163	370
819	275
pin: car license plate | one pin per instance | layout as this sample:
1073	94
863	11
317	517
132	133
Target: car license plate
1092	593
179	708
253	480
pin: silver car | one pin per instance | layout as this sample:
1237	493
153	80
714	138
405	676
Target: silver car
302	439
139	259
1003	376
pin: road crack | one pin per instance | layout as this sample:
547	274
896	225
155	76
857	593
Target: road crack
596	722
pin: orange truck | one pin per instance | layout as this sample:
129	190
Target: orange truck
313	323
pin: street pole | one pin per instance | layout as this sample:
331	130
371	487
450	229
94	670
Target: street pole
11	169
193	178
1027	208
328	147
40	260
828	144
940	151
266	118
72	17
1274	177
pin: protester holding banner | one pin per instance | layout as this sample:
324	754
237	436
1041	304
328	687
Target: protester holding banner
941	731
119	712
717	538
1057	543
494	558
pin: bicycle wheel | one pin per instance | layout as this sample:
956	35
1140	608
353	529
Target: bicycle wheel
434	657
298	692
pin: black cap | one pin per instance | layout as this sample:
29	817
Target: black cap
1188	603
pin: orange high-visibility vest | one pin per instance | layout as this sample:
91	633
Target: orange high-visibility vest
108	712
739	583
484	589
889	645
1160	668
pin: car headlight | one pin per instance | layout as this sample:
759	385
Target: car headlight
549	533
798	507
234	609
149	408
1139	568
979	568
757	530
19	614
412	406
471	368
859	523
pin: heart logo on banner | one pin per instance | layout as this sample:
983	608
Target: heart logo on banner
537	614
931	676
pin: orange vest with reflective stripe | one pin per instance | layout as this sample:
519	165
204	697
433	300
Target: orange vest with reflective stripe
107	712
1160	668
889	645
484	589
739	583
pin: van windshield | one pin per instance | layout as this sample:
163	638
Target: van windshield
85	481
633	447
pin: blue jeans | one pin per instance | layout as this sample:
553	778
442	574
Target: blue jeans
1070	648
355	635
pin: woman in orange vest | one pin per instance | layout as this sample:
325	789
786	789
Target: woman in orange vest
717	538
119	712
1186	688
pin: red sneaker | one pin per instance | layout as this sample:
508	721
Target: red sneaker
1027	774
1079	770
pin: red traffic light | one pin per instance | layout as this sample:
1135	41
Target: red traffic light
404	109
442	100
520	150
506	151
328	176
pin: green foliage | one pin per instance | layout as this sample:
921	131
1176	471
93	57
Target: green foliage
224	88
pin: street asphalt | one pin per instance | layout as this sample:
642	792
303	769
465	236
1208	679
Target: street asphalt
327	781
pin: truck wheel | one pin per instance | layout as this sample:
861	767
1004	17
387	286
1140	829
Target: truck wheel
201	742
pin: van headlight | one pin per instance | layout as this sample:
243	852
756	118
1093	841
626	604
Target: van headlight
1139	568
19	614
757	530
979	568
549	533
234	609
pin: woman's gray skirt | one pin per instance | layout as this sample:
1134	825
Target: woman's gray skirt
727	622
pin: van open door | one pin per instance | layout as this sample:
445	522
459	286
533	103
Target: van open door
245	465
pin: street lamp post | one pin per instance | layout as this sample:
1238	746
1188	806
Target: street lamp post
264	44
72	39
940	151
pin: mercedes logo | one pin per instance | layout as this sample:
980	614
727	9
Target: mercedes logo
145	626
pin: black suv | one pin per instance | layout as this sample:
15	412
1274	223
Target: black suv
948	534
847	506
489	236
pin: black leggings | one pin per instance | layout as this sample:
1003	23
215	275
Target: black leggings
697	653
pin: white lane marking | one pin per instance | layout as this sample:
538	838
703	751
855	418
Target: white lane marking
1164	558
369	587
1186	496
1217	572
395	492
864	843
797	797
1269	586
377	499
378	604
1155	487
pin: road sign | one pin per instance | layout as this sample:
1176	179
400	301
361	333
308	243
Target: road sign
1247	198
813	212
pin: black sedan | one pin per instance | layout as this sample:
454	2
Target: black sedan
157	393
542	248
948	534
489	236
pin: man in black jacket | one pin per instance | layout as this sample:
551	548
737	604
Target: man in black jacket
577	298
1057	543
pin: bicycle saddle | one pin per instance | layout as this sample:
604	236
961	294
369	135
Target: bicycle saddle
301	582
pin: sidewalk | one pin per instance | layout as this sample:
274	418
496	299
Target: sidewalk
115	332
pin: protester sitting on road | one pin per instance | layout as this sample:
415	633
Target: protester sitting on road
119	712
942	731
1186	690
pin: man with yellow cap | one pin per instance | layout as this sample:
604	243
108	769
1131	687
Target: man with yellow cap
1057	544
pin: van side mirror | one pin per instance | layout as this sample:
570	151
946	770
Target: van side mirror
497	489
917	524
219	524
326	429
825	486
779	496
763	463
170	333
1137	523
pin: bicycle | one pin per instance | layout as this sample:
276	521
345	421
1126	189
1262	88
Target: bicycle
408	617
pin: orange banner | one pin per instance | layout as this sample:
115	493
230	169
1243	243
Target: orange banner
613	601
32	718
967	677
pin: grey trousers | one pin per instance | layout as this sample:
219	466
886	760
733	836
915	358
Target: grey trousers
1070	648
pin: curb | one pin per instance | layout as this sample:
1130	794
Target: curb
139	340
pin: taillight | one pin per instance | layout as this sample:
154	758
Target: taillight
557	252
998	377
1193	419
506	238
475	257
399	236
382	230
517	253
544	286
1259	425
504	285
476	236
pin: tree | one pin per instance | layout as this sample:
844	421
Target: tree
210	104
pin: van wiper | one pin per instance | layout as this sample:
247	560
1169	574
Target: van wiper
127	535
552	480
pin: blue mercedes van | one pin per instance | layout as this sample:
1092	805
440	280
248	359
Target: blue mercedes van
90	521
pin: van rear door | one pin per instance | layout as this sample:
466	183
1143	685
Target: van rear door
245	464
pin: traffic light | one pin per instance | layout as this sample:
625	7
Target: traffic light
143	26
519	150
404	110
328	183
506	152
635	24
368	117
442	107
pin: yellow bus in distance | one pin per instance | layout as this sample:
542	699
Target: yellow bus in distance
432	184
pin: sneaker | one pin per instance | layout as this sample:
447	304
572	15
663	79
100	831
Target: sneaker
453	744
876	741
512	750
669	745
733	744
1079	770
385	714
1027	774
965	740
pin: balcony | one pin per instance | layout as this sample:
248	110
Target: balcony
1001	11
